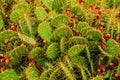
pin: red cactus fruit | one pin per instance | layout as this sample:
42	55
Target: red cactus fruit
111	66
118	14
39	67
34	59
7	60
67	10
101	28
103	46
100	12
47	10
80	1
92	6
117	76
97	7
45	42
7	41
76	17
3	68
116	39
101	23
102	68
3	59
14	28
106	36
32	62
98	16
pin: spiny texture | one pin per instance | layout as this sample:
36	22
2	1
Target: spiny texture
59	40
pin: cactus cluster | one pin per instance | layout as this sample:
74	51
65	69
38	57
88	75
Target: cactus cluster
59	40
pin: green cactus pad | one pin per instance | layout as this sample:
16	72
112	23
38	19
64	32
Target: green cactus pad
31	73
9	75
53	51
48	3
62	31
63	45
6	35
59	4
113	48
77	40
1	22
45	31
27	39
35	52
60	19
82	25
80	61
40	13
16	55
94	35
76	50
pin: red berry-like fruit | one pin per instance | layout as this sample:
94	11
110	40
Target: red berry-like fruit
3	59
47	10
118	14
102	68
76	17
116	39
97	7
7	60
39	67
67	9
101	23
92	6
111	66
117	76
45	42
103	46
3	68
101	28
7	41
14	28
106	36
33	60
80	1
98	16
100	12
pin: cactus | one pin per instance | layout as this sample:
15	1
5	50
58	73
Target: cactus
62	31
60	19
59	39
1	22
31	73
112	48
53	51
16	55
59	4
6	75
40	13
6	35
76	50
77	40
45	31
34	52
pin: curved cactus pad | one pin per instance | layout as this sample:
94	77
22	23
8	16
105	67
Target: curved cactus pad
53	51
76	50
45	31
60	19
